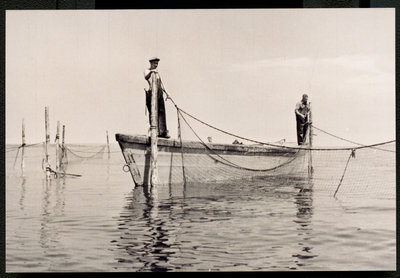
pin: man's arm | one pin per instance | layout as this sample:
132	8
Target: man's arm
296	110
165	92
148	73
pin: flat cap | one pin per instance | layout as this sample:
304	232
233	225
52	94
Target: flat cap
154	59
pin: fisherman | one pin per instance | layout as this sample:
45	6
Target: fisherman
302	110
162	122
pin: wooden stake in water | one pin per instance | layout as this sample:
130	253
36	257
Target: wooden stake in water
310	126
23	146
180	140
57	141
310	134
108	146
63	153
47	142
63	136
154	131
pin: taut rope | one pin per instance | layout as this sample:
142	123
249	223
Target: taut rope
229	163
361	146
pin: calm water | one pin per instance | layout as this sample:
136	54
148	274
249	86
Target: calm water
98	222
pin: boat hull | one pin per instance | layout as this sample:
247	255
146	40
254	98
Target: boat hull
191	161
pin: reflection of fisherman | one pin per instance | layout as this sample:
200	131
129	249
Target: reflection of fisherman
302	110
162	123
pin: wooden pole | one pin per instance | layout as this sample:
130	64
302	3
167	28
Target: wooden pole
58	159
63	153
47	128
154	131
180	140
108	146
310	135
63	136
23	146
310	126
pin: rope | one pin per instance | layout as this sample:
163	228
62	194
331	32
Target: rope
350	141
84	148
352	154
15	160
56	174
84	157
79	151
211	153
238	136
231	164
180	140
10	149
274	145
31	145
287	147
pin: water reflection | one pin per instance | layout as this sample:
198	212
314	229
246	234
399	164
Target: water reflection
151	223
147	249
304	203
45	232
23	190
158	234
50	218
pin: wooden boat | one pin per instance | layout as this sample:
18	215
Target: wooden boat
191	161
178	161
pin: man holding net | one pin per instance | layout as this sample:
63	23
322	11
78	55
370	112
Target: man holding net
162	122
302	109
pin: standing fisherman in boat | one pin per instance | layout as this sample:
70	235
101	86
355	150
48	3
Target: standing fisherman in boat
162	122
302	109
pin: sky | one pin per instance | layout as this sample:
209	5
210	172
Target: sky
242	71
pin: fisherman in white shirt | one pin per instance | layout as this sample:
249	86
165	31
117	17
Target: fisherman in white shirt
302	109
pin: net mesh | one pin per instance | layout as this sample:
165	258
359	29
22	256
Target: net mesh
370	173
79	153
351	170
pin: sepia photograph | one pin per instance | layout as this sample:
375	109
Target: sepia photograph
177	140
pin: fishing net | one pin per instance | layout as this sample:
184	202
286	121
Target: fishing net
355	169
239	158
79	153
359	172
352	170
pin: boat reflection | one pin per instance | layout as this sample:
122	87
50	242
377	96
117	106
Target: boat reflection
155	224
304	203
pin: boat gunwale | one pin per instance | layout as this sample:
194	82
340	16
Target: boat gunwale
144	141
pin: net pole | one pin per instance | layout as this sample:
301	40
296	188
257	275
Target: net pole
58	147
47	141
180	140
23	146
108	146
310	135
153	132
63	151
